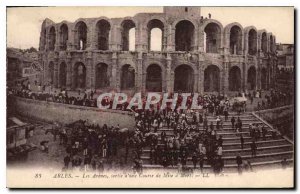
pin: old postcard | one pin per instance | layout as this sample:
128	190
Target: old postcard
150	97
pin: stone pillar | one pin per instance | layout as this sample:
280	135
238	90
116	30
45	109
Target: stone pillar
119	37
165	38
225	77
169	85
258	75
55	81
201	40
140	84
89	77
201	75
69	72
195	43
70	42
93	38
171	38
57	40
58	75
244	76
114	81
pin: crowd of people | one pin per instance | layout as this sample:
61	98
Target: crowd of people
276	99
213	104
187	135
91	147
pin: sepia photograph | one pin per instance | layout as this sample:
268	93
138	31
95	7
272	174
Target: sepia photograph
150	97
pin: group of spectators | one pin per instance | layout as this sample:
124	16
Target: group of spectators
91	147
276	99
186	136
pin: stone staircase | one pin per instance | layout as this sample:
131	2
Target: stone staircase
270	152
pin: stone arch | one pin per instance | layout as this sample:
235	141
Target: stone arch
212	37
155	24
126	26
102	76
251	40
234	38
264	42
184	78
127	77
64	36
235	79
103	28
62	74
184	35
212	78
154	78
52	38
81	30
251	78
79	75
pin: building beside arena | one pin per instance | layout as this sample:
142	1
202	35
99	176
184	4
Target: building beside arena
198	54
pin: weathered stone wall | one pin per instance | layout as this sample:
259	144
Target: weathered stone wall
64	113
282	118
276	113
168	59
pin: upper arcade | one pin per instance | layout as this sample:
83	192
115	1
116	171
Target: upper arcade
182	29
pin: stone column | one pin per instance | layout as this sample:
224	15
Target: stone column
201	75
258	75
55	81
69	72
140	85
169	85
225	76
244	76
114	81
89	77
93	38
57	40
171	38
58	74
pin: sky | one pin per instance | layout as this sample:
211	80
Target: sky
24	23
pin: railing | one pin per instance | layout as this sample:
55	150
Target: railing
269	125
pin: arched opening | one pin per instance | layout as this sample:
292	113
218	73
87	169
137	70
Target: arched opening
155	35
102	31
251	78
252	42
64	35
184	36
184	79
127	77
51	73
128	35
264	42
271	43
102	78
264	78
154	78
212	34
63	74
52	38
212	79
236	40
79	75
235	79
81	36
